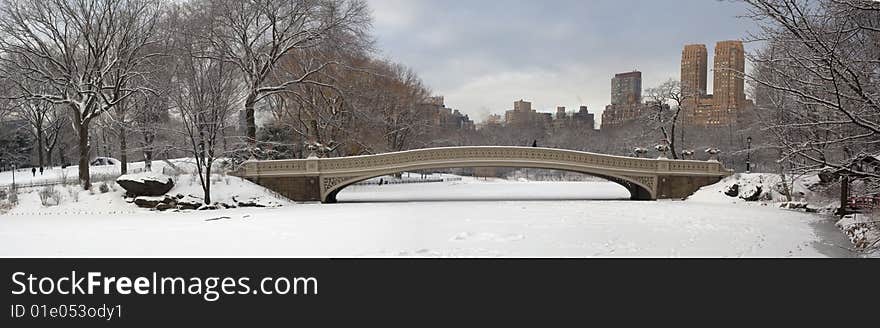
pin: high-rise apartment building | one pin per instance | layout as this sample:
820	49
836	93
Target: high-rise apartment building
626	98
694	68
729	87
725	105
626	88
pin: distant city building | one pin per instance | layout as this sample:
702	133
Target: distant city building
443	118
729	88
522	115
581	120
626	88
694	67
584	119
626	98
494	120
724	106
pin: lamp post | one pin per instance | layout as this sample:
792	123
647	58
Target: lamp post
749	155
13	175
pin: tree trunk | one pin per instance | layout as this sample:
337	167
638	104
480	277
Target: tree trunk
49	156
84	178
61	154
844	195
207	182
123	152
41	149
250	121
148	160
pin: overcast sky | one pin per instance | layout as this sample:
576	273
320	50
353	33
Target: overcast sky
483	55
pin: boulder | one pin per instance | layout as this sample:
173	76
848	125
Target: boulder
151	202
190	202
209	207
225	205
166	206
146	184
257	202
752	194
732	190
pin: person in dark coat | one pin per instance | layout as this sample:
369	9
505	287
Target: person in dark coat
535	144
41	170
34	171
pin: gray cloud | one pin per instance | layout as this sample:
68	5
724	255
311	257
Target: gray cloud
485	54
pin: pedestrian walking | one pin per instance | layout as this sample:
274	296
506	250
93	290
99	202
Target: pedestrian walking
34	171
41	170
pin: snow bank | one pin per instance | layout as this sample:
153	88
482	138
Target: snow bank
146	177
862	229
764	188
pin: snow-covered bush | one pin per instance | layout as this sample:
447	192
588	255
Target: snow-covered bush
73	191
104	188
49	196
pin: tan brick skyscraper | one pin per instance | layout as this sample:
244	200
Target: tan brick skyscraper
694	69
729	88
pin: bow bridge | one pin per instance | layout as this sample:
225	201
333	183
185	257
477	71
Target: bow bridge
321	179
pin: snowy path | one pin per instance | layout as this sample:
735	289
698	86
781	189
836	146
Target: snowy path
474	226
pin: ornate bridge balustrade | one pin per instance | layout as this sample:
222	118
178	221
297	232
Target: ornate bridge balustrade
321	179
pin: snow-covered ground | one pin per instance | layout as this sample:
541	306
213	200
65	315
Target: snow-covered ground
468	218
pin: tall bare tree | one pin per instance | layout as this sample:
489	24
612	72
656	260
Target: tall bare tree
667	102
205	97
255	35
82	54
46	122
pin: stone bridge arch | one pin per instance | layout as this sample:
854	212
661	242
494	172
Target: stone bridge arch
321	179
639	187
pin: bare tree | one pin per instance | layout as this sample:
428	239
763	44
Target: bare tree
81	53
255	35
666	101
206	93
818	78
46	122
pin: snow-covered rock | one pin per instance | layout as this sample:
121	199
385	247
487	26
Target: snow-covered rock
752	193
189	202
255	202
104	161
146	184
863	230
732	190
152	201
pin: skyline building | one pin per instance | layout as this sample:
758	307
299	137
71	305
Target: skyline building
626	88
727	101
694	69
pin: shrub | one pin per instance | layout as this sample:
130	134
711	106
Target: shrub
49	196
104	188
73	191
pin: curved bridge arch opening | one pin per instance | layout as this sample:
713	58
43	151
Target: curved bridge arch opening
636	190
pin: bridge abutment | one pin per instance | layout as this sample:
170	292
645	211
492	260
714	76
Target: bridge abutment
299	189
681	187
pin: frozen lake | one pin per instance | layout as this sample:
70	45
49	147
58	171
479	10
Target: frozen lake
470	218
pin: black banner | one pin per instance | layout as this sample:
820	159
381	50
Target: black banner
416	292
